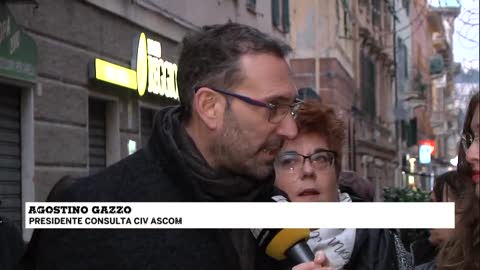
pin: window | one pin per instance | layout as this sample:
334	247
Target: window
405	59
97	135
402	64
281	15
343	18
406	6
409	131
436	64
275	13
387	14
376	12
285	16
368	86
251	5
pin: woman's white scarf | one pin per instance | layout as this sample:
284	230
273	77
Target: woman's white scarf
336	243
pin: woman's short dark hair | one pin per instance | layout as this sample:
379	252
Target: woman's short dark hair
211	56
316	117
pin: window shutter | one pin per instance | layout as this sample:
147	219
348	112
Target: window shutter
412	132
251	4
275	13
286	16
368	86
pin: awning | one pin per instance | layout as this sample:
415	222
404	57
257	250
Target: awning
18	51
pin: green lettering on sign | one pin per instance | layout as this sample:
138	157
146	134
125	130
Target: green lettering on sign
18	51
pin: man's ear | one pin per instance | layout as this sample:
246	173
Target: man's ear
209	106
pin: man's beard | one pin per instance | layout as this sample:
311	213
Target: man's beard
232	152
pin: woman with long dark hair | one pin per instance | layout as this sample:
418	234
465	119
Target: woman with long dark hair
462	251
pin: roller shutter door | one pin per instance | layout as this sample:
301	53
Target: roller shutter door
10	159
97	135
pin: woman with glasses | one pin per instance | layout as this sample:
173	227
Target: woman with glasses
462	251
307	169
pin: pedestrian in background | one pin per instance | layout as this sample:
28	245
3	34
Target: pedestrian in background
359	188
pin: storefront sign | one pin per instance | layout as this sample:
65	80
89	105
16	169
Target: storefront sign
18	51
148	72
115	74
425	151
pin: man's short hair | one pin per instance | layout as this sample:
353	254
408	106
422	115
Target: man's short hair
211	58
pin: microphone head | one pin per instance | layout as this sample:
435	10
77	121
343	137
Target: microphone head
276	242
284	240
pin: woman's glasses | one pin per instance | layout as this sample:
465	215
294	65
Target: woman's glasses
292	161
468	139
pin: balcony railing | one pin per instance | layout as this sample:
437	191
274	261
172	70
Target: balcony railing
368	130
439	41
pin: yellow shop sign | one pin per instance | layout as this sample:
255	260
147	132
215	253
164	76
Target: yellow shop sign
148	72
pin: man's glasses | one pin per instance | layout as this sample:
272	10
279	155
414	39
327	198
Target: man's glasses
293	162
468	139
277	112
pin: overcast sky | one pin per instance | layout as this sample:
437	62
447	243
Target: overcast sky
465	38
466	50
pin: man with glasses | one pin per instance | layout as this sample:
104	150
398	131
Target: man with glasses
237	106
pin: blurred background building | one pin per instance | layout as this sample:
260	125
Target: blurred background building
344	50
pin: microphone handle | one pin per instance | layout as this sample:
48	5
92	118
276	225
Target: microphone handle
300	253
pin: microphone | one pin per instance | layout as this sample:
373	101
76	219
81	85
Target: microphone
284	243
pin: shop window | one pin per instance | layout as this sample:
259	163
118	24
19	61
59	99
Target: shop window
97	135
10	154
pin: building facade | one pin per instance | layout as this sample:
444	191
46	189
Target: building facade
375	148
99	70
443	70
424	98
344	50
